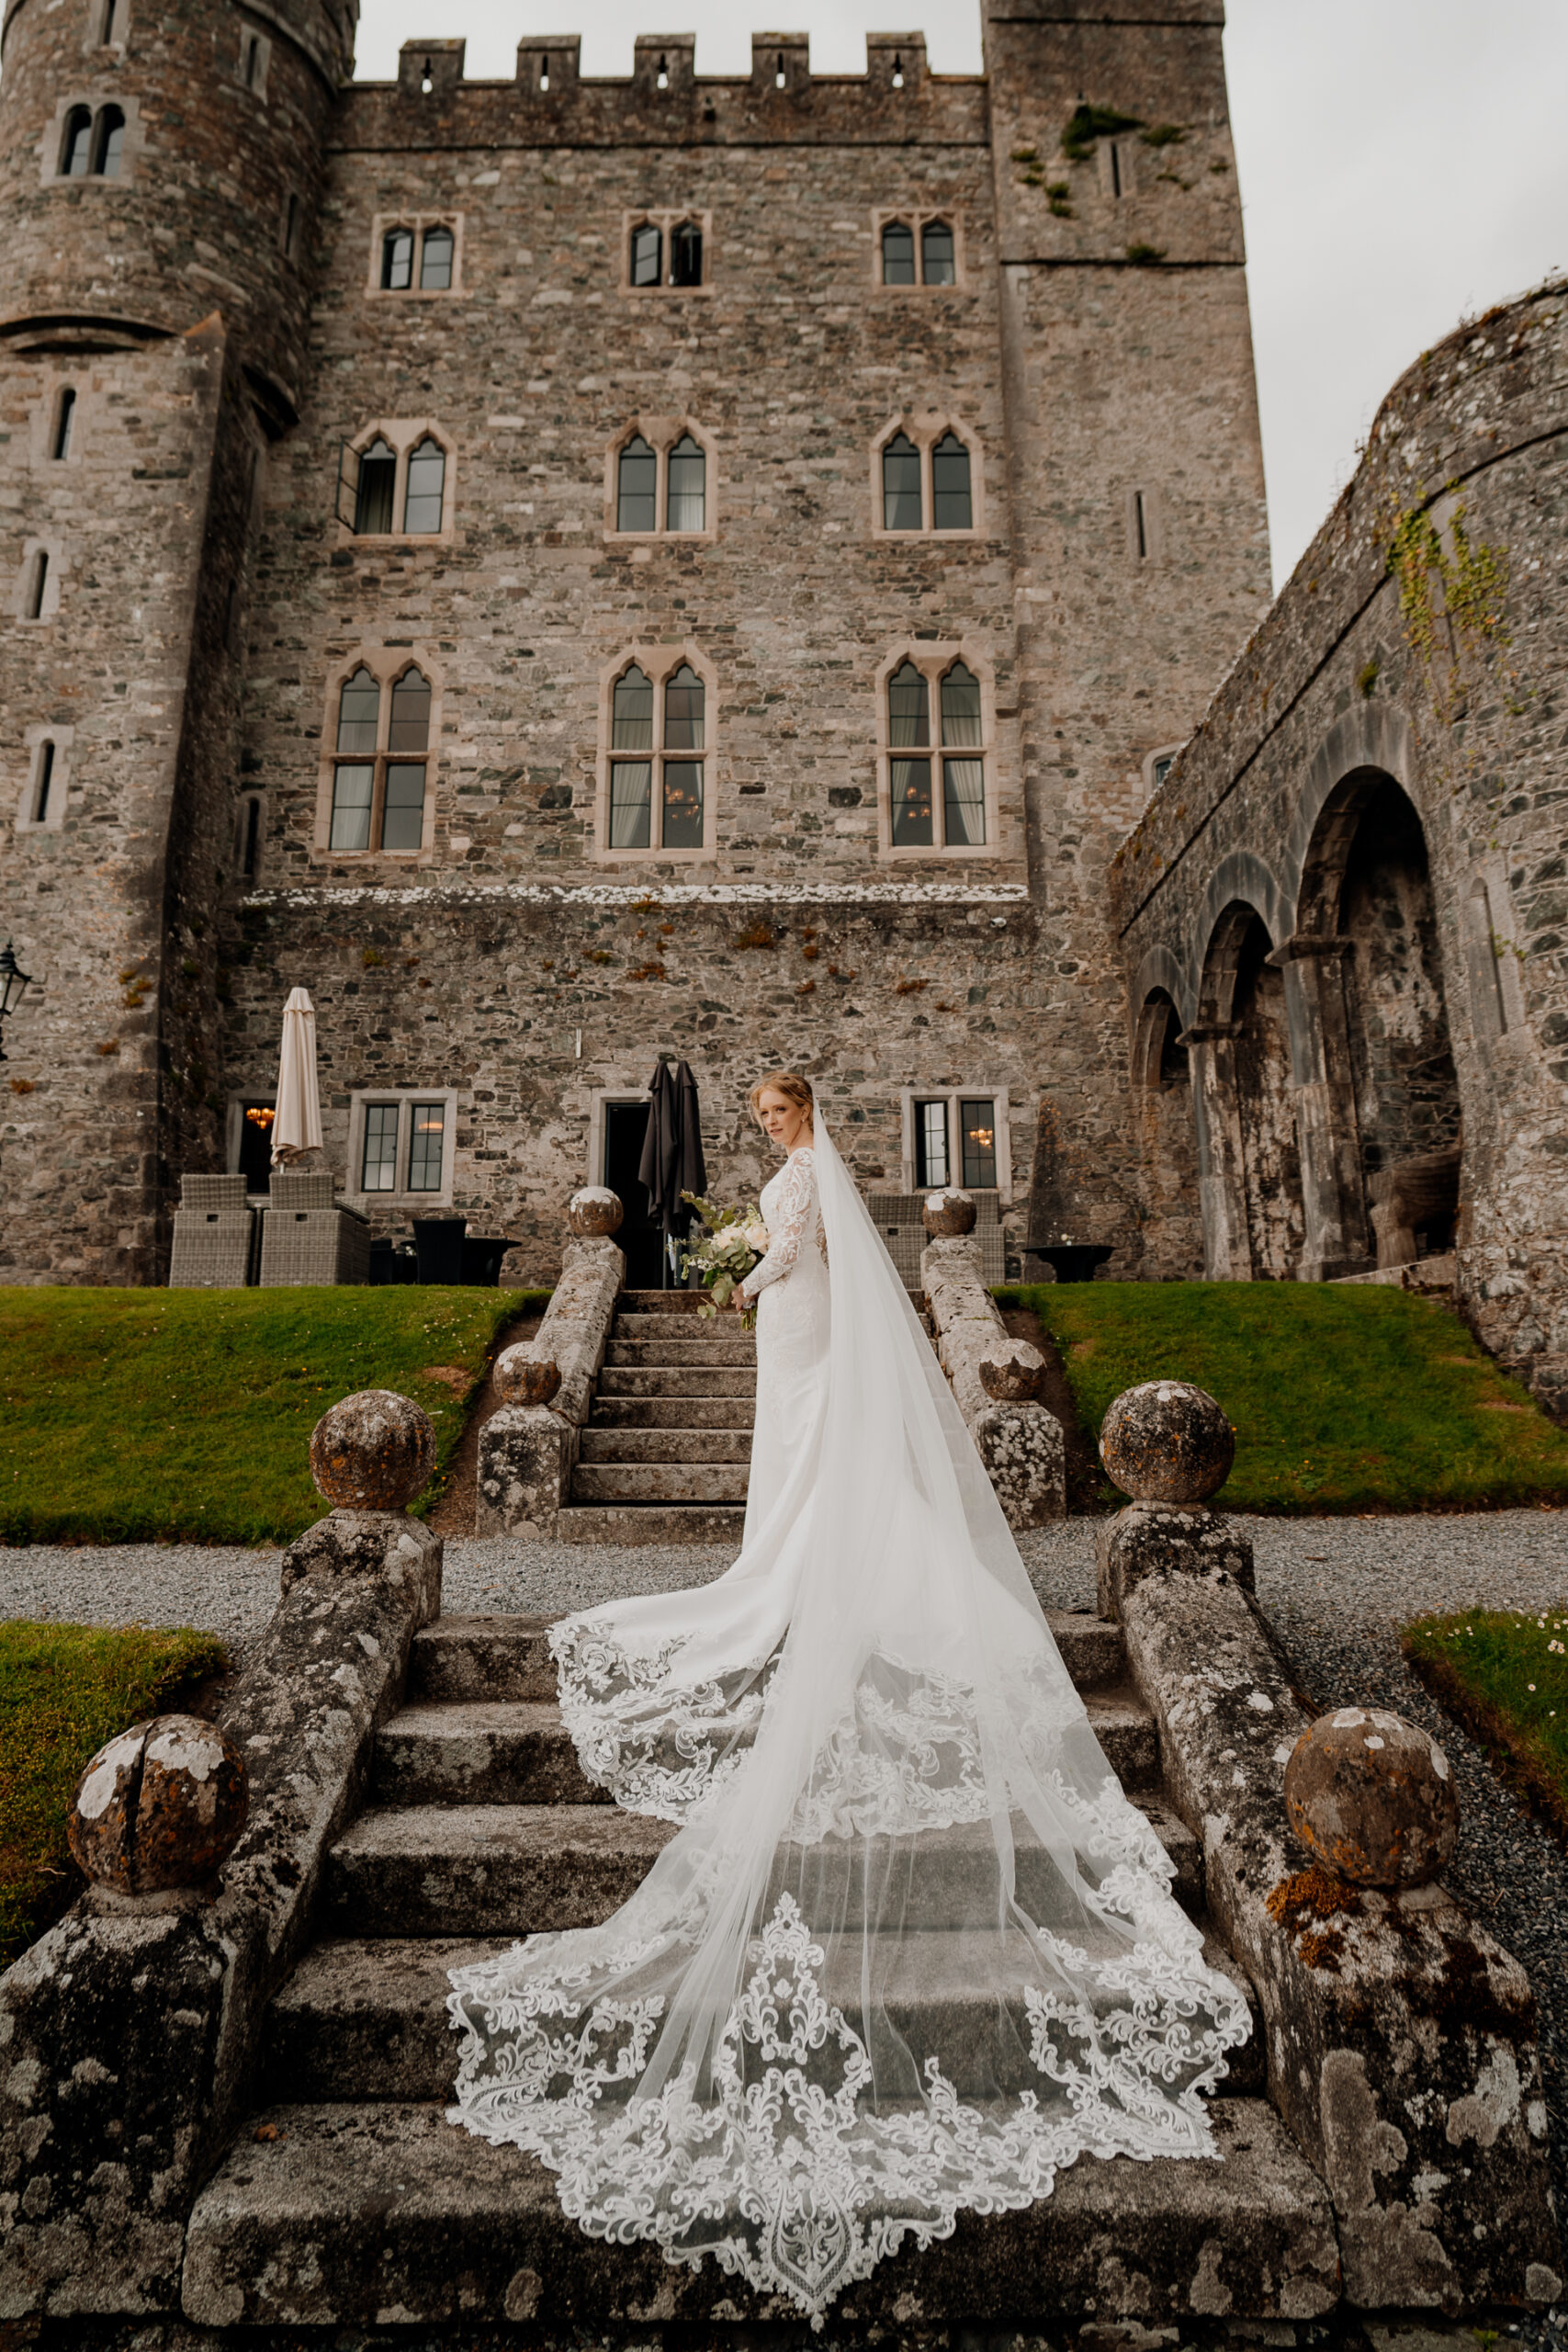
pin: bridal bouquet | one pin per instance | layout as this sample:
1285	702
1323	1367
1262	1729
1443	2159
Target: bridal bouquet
730	1242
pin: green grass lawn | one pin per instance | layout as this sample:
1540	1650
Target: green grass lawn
1505	1675
64	1689
126	1415
1342	1399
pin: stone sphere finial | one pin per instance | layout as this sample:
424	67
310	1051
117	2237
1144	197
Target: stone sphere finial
374	1451
523	1378
1165	1441
1372	1798
948	1213
159	1806
1013	1374
594	1210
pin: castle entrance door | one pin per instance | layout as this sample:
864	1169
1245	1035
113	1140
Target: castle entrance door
626	1125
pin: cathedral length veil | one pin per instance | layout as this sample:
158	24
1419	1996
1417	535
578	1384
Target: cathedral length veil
912	1948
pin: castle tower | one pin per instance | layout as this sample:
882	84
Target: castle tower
160	177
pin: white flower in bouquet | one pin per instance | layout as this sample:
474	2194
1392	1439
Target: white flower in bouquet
757	1238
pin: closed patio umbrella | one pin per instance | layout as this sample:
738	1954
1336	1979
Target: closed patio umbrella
673	1151
297	1129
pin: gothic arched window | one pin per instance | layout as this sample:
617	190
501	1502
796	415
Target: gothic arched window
373	495
435	261
910	733
657	798
77	143
901	502
686	255
937	259
647	253
963	779
425	487
108	143
952	505
378	791
686	503
636	487
897	253
397	260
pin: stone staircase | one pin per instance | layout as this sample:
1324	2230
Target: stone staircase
664	1456
347	2199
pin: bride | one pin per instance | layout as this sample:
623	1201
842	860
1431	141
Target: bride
912	1948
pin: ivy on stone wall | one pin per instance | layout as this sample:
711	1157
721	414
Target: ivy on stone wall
1450	598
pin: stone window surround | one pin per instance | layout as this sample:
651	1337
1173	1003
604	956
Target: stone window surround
661	433
132	144
386	663
953	1095
660	663
1154	524
1152	758
249	798
665	219
34	739
598	1101
251	31
925	428
404	1097
417	223
95	43
59	564
45	415
403	435
914	217
933	660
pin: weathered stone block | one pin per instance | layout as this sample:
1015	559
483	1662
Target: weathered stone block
159	1806
1161	1538
526	1454
1019	1443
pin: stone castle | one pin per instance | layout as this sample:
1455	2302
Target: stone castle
571	569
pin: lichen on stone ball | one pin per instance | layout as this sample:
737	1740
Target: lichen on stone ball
373	1450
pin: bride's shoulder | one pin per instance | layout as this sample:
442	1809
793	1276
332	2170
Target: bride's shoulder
805	1157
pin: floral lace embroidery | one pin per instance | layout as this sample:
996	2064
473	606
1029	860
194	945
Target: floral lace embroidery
659	1747
787	1210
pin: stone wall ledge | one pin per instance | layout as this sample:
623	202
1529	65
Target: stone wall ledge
1021	1445
1402	2042
127	2037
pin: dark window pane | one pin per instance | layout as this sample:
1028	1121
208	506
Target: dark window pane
426	483
631	718
961	709
963	807
409	730
110	142
647	254
352	788
426	1146
77	143
45	779
908	708
978	1129
436	262
402	817
636	487
897	254
930	1146
936	253
900	485
687	503
37	584
911	804
629	786
684	704
64	415
252	850
379	1169
358	709
683	804
397	260
686	255
373	493
953	508
1162	768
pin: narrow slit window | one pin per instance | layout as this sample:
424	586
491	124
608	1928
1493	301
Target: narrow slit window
897	253
952	505
436	262
76	145
686	255
252	59
37	582
978	1144
111	12
1140	523
108	144
687	503
396	261
373	493
291	226
44	784
937	264
426	486
780	80
910	730
379	1167
544	77
65	416
427	1146
251	849
901	485
636	487
931	1161
647	253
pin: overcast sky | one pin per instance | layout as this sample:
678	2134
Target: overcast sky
1401	162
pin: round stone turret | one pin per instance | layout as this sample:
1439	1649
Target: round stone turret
1372	1799
374	1451
1165	1441
159	1806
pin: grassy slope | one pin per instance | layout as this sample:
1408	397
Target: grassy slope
126	1415
64	1689
1505	1675
1342	1399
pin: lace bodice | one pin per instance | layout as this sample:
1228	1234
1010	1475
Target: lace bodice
790	1208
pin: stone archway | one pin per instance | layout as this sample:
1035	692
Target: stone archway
1167	1141
1249	1162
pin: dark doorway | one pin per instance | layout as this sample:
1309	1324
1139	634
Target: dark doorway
626	1124
255	1145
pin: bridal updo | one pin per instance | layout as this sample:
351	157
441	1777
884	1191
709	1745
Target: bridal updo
787	1082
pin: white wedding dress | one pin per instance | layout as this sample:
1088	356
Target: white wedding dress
912	1948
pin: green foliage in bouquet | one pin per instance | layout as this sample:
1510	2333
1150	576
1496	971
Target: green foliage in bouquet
730	1243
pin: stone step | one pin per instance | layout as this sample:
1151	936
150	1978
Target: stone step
348	2215
720	1325
366	2018
659	1302
660	1482
673	1413
734	1380
483	1750
660	1523
489	1870
720	1347
599	1445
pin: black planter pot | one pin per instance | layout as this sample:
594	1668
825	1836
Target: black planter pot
1073	1261
481	1261
438	1244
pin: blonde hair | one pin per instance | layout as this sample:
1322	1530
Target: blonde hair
795	1088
